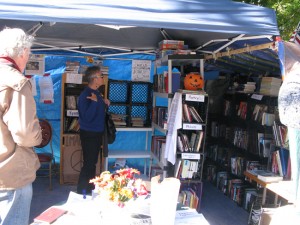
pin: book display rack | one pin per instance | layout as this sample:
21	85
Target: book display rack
244	139
190	141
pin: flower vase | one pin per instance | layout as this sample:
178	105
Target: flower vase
111	212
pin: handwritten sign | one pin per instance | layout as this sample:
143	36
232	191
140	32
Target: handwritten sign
141	70
72	113
192	126
190	156
257	97
194	98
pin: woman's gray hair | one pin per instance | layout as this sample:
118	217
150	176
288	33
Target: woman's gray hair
13	42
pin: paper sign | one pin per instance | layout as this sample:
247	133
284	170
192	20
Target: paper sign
141	70
35	65
33	86
74	78
192	126
257	97
190	156
194	98
73	113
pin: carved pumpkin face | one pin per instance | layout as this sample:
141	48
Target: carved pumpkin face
193	81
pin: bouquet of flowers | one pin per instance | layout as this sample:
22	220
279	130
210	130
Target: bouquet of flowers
120	186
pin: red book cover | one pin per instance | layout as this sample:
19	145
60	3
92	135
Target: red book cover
50	215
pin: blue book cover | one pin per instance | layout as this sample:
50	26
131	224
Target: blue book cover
284	158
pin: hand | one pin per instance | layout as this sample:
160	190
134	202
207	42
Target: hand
93	97
107	102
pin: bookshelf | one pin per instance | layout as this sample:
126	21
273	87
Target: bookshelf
189	160
243	138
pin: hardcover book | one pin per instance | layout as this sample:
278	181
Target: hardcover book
50	215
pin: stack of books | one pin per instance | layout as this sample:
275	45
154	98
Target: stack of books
270	86
119	120
137	121
266	176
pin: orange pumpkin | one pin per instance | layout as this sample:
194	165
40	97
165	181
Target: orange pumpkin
193	81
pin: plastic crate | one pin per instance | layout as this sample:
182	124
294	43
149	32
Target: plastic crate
141	92
118	109
118	91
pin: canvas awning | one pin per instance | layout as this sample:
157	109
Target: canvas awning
75	25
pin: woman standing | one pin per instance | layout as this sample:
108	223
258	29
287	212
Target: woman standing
91	108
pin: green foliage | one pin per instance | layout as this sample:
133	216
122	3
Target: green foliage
287	12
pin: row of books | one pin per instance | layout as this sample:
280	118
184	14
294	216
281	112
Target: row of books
237	165
240	138
192	144
280	133
190	195
258	111
186	169
281	163
236	189
242	110
71	124
259	114
71	102
160	82
190	114
219	154
76	68
235	135
158	148
260	143
160	116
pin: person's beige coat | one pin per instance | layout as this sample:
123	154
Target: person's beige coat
19	130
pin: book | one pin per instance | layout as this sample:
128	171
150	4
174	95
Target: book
198	141
50	215
195	114
278	162
284	158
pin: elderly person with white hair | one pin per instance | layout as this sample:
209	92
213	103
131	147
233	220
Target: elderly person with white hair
19	129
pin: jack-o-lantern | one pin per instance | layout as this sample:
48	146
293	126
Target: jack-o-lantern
193	81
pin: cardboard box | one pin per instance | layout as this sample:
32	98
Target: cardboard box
71	160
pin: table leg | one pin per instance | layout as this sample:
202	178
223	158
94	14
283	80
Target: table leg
264	196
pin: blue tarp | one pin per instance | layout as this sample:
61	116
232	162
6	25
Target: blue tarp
118	70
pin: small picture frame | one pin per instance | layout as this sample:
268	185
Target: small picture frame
35	65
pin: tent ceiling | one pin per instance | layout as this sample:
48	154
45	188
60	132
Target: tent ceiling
195	22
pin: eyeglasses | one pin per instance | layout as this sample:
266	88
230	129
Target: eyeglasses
98	76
